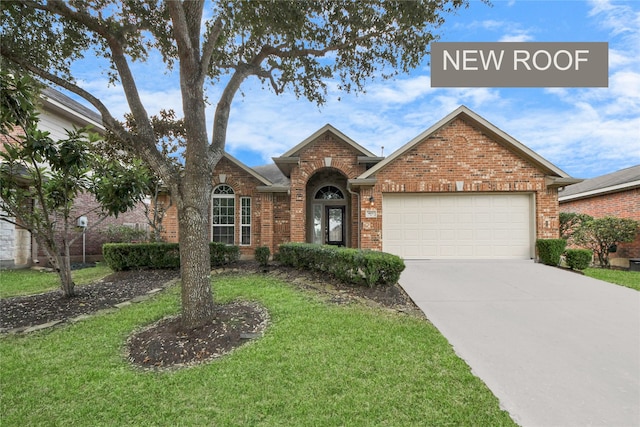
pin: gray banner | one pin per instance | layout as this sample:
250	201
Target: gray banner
511	64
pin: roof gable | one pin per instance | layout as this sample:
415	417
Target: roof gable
247	169
327	128
483	125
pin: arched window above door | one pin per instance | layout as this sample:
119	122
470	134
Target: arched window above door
329	192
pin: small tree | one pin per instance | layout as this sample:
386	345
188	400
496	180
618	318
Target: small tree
600	234
40	178
570	222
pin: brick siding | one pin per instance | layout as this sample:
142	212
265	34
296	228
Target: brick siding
460	152
624	204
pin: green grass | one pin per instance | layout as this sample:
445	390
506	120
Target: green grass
630	279
28	282
317	365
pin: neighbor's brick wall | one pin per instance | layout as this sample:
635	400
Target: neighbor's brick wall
312	160
86	205
624	204
460	152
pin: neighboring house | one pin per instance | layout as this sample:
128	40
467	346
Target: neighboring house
462	189
615	194
17	248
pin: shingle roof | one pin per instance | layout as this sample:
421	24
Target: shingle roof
616	181
49	93
273	174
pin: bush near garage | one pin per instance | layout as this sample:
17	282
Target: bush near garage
578	259
130	256
550	250
353	266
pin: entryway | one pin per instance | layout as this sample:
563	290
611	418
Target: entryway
328	208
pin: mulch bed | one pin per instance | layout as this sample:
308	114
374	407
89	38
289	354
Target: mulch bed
167	344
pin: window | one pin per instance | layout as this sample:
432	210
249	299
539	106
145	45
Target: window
223	214
329	192
245	221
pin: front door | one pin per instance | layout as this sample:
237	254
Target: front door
334	226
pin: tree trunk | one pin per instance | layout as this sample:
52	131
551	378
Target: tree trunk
195	264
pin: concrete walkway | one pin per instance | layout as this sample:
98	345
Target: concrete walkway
556	348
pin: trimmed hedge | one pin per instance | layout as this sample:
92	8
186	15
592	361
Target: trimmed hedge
578	259
360	267
128	256
550	250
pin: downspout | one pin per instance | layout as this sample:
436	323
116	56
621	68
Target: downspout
359	211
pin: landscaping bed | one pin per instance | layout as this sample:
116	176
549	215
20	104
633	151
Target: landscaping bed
166	344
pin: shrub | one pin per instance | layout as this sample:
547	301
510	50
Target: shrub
578	259
222	254
127	256
262	255
601	234
348	265
123	234
550	250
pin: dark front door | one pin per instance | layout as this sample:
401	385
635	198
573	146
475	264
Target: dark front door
334	225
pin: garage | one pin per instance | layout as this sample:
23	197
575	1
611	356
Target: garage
455	226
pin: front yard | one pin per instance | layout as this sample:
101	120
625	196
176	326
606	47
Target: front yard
318	364
629	279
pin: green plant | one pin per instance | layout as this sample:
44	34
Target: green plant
348	265
123	234
126	256
346	355
600	234
262	254
570	222
629	279
578	259
550	250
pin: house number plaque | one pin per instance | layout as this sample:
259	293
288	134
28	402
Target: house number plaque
371	213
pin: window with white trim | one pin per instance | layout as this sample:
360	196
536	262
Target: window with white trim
223	215
245	221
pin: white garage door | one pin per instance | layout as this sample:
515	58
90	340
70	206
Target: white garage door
421	226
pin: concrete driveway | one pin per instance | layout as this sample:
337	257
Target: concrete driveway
556	348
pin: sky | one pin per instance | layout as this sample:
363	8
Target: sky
586	132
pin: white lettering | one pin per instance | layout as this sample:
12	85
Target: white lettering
569	60
491	57
523	59
456	63
466	59
580	59
535	60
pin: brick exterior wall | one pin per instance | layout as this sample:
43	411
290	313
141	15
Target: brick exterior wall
244	185
460	152
312	161
86	205
457	152
624	204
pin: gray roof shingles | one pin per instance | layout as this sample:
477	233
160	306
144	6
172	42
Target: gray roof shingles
620	177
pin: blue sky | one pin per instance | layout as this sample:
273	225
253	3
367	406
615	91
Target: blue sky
584	131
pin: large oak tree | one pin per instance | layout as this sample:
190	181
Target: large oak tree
294	45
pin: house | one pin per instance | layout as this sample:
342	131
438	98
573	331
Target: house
18	249
614	194
462	189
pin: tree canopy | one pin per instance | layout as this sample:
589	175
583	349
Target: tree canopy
293	45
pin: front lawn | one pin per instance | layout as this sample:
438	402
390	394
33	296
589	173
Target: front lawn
28	282
319	364
630	279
